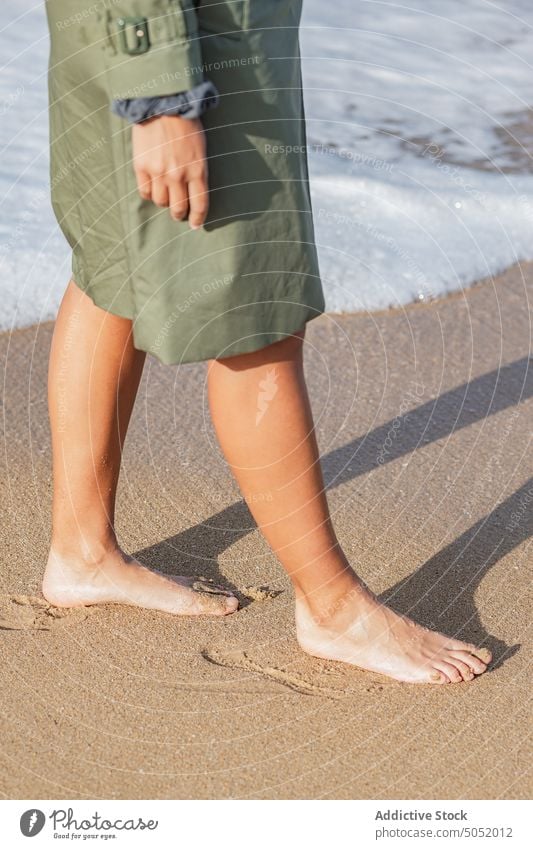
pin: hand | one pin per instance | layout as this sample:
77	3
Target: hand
170	166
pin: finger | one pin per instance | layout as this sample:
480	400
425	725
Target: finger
179	200
198	202
144	184
160	191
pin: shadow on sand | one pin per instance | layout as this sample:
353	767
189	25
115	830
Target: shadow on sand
441	592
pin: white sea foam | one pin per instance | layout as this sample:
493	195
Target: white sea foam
418	129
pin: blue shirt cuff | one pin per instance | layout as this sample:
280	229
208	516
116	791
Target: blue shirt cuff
187	104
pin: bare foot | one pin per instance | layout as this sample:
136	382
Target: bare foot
359	630
119	579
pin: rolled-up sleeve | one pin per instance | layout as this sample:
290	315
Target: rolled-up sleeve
188	104
152	48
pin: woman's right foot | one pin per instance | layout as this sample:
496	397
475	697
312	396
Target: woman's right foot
119	579
361	631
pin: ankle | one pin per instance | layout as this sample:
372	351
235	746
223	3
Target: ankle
327	602
89	550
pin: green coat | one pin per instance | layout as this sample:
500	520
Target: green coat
250	276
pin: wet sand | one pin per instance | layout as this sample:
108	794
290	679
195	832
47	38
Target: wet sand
424	424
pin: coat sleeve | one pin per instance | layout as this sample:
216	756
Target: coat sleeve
152	48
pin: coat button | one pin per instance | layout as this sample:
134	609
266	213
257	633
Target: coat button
133	35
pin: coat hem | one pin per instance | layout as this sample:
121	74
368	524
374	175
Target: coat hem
247	346
254	341
86	289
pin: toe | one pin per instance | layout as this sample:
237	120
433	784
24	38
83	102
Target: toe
438	677
232	604
474	663
220	605
449	670
483	654
225	604
209	604
464	668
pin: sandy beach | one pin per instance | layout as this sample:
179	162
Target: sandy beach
424	423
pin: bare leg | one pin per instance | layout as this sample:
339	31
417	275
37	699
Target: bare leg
263	420
93	380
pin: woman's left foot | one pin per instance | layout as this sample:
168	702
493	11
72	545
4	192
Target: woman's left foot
361	631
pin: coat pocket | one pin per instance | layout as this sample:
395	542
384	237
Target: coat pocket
226	18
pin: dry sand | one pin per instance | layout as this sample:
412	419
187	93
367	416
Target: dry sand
424	420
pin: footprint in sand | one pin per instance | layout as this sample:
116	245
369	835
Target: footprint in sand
259	593
238	659
31	613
